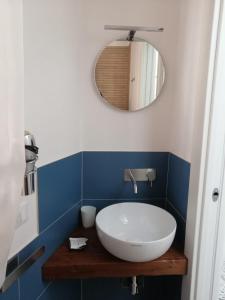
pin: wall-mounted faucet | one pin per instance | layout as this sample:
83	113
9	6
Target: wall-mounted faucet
130	174
135	175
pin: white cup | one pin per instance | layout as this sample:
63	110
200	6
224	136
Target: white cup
88	214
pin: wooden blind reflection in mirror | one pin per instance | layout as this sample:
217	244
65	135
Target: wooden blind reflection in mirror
112	74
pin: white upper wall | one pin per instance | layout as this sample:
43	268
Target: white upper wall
187	107
62	39
52	76
106	128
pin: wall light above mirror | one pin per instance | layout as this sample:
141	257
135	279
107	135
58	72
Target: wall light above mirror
129	74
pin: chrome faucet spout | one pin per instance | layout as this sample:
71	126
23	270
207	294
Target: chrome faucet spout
133	181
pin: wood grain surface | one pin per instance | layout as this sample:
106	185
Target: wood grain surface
94	261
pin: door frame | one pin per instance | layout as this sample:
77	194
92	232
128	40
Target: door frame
207	173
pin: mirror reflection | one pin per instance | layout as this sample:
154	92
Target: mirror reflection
129	74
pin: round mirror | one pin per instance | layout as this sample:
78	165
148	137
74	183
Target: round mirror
129	74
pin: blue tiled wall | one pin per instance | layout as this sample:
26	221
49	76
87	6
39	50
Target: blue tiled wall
96	178
177	192
103	185
59	206
59	188
103	176
155	288
103	182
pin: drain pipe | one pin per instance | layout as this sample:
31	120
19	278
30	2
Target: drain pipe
134	286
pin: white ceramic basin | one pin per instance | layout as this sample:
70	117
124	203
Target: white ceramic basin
135	232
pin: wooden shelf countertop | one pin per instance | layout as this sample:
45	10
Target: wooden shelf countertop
94	261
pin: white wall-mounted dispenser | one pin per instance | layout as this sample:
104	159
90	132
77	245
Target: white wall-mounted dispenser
27	222
31	156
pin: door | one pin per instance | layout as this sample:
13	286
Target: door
210	274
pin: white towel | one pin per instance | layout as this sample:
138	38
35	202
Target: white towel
12	157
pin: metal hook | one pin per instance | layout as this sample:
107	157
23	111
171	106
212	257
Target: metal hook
131	35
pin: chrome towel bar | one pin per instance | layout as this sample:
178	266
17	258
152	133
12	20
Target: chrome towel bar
16	273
